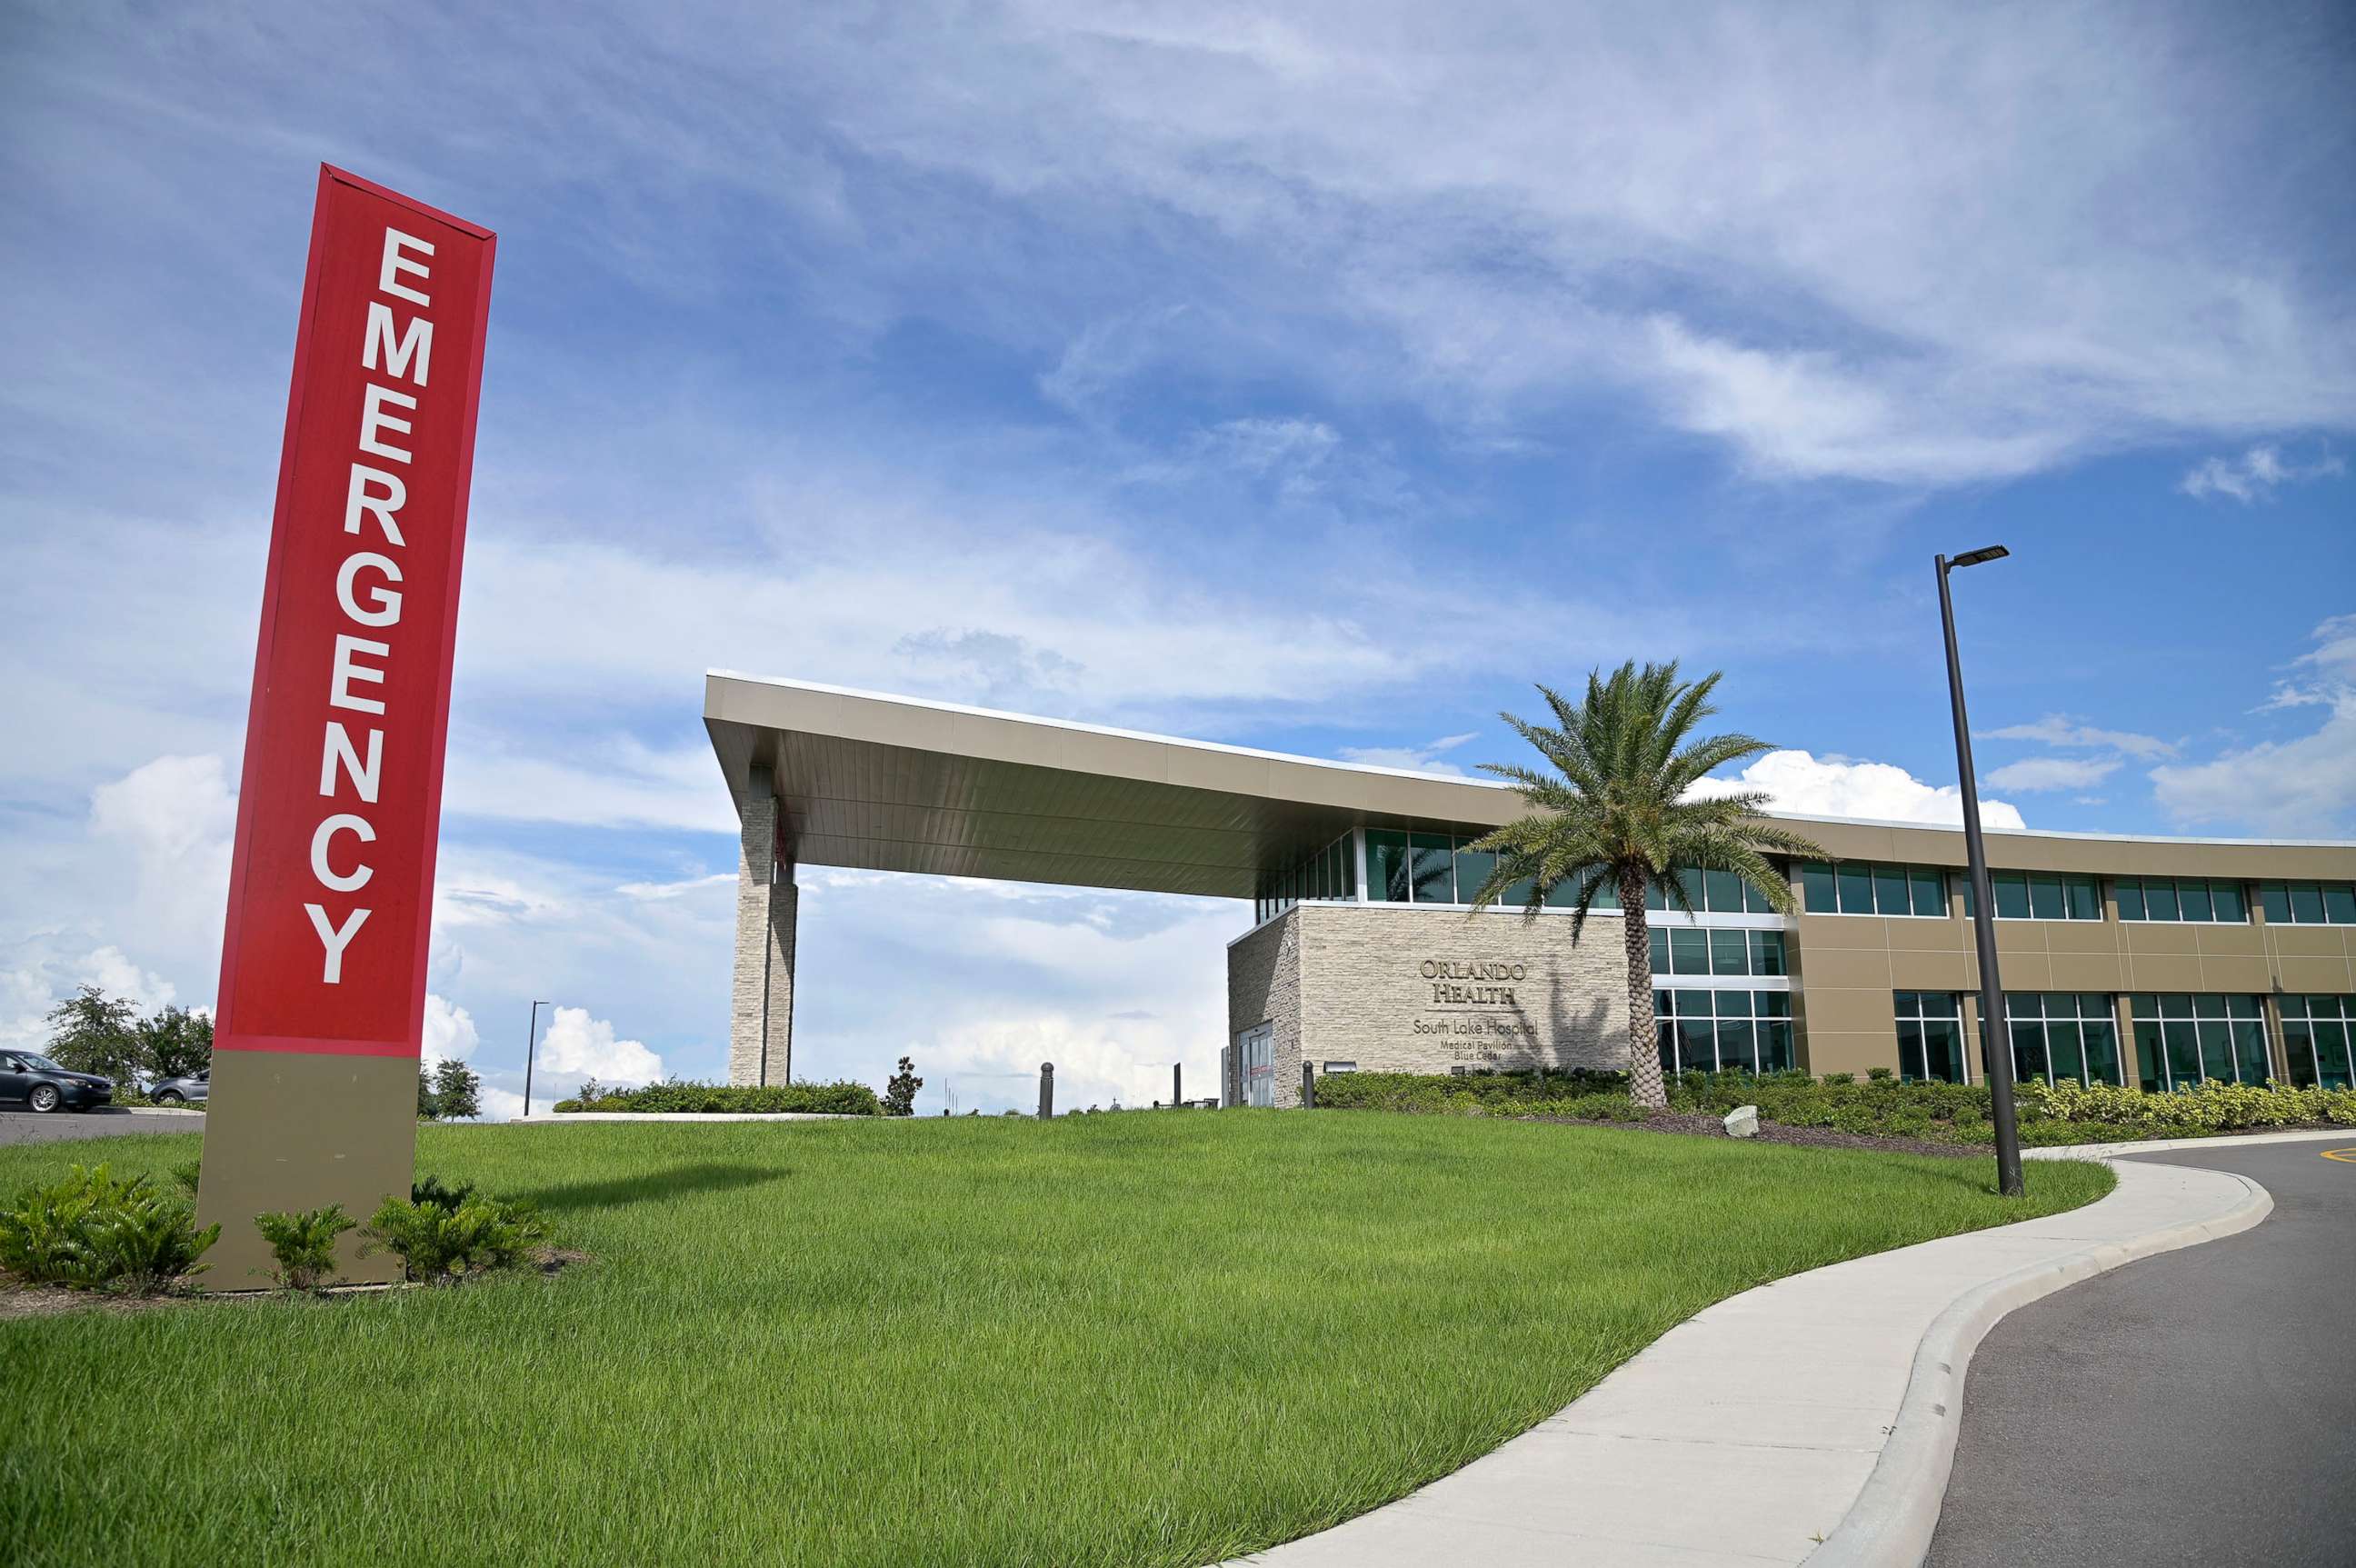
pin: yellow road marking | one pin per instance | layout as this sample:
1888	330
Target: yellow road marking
2346	1156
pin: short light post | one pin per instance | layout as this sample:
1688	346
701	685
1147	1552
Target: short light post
1046	1091
1308	1086
532	1049
1995	1037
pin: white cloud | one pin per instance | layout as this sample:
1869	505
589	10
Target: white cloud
2256	475
577	1046
2055	773
1425	758
176	816
450	1033
1835	786
2306	785
2061	730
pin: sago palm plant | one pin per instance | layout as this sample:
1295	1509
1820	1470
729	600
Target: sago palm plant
1618	814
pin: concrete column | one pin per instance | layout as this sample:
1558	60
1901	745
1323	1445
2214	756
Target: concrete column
761	1007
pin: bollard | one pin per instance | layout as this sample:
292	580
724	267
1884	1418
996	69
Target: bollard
1308	1087
1046	1091
1177	1094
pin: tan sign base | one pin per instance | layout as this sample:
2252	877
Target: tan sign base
286	1131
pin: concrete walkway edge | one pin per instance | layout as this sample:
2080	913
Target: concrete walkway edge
1893	1519
1835	1449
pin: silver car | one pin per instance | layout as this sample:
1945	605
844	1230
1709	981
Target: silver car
191	1089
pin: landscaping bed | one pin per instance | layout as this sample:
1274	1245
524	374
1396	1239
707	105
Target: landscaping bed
1131	1339
1878	1110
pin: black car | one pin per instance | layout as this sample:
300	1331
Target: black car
43	1085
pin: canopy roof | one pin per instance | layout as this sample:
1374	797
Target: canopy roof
888	783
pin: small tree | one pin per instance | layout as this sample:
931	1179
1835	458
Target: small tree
428	1108
900	1089
96	1033
175	1043
457	1089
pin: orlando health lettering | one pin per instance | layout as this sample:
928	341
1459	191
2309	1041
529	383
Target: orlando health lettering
368	583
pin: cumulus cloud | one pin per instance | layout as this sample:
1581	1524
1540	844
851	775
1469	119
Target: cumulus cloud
577	1046
2055	773
176	819
1428	758
2256	475
1835	786
450	1033
2306	785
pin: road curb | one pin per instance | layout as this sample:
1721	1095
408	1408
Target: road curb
2161	1145
1891	1523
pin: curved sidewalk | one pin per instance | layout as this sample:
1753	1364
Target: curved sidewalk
1812	1419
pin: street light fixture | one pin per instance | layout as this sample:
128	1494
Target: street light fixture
532	1049
1995	1039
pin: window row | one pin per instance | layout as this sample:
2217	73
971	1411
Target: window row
1859	887
1692	949
2309	903
2063	1037
2319	1033
1417	868
2193	898
2039	896
1327	873
1723	1031
2184	1039
1930	1038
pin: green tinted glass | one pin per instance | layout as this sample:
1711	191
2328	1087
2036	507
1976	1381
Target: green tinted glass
1432	867
2193	900
1855	888
2339	903
2011	895
1929	891
1660	951
1387	875
1817	894
2307	903
2159	900
1729	953
1766	952
2085	898
2130	891
2275	899
2045	897
2227	896
1724	891
1889	890
1688	951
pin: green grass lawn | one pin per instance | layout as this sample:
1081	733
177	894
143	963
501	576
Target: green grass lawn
1113	1339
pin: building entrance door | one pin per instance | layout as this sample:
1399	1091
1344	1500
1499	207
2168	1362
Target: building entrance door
1259	1049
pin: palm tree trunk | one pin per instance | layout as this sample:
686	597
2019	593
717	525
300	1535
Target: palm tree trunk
1645	1085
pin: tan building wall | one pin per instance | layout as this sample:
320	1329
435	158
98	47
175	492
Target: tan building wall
1395	988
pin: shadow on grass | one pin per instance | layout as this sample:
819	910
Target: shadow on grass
676	1182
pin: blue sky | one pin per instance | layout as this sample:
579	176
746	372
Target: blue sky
1314	379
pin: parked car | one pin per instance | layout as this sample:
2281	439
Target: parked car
43	1085
193	1088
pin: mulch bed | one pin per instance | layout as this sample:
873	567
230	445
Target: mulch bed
1701	1124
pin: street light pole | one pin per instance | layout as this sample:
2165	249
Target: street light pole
1996	1040
530	1049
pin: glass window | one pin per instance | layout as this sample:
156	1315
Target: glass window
1855	888
2229	901
2319	1037
1767	952
2192	899
1725	1031
1386	866
1724	890
1729	953
2274	897
1472	868
2159	900
2339	903
2130	894
2045	897
1432	867
1930	1036
2011	895
1660	939
1688	951
2307	903
1889	895
2063	1037
2183	1040
2086	898
1755	900
1817	895
1930	889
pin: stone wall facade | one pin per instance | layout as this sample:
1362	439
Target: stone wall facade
1395	988
761	995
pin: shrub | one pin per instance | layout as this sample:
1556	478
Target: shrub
185	1175
94	1231
431	1190
438	1245
304	1244
842	1099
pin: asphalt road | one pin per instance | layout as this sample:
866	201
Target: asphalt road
2198	1407
24	1127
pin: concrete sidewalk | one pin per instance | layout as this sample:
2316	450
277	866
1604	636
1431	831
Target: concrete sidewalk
1813	1417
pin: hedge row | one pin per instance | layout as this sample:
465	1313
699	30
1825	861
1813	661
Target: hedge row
842	1099
1879	1107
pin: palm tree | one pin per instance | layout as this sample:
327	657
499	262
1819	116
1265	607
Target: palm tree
1619	815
